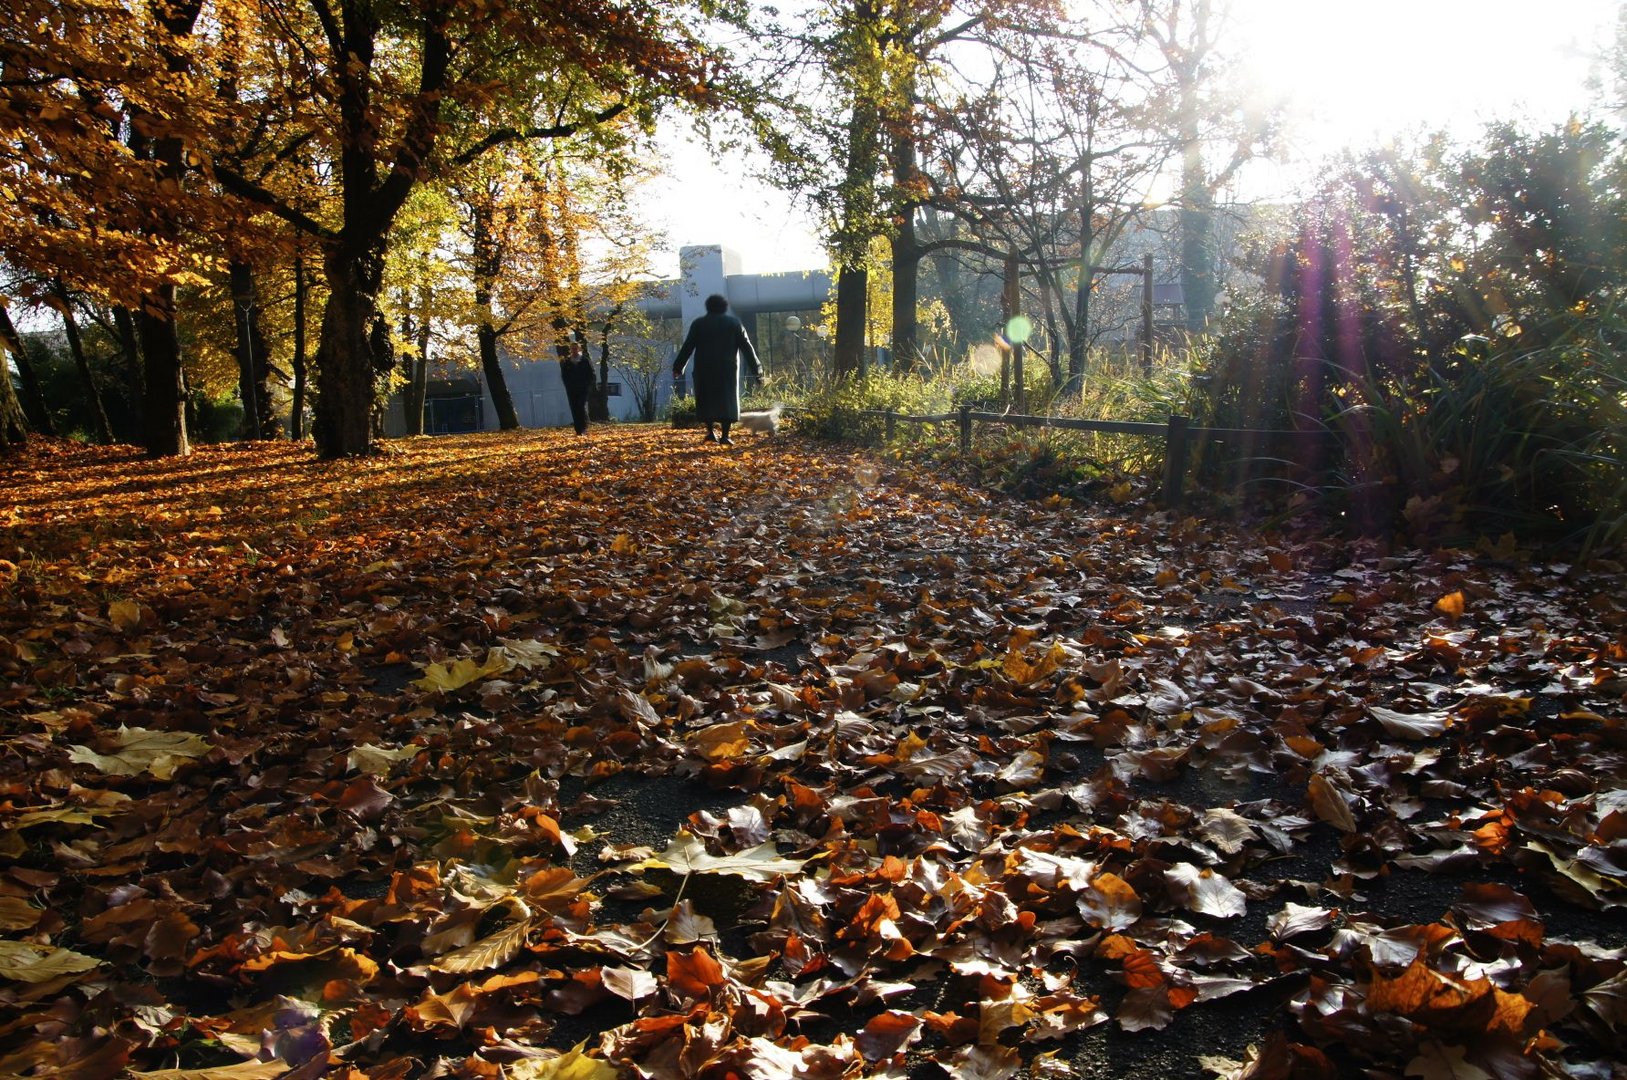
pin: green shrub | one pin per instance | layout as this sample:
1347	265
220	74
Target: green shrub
215	420
681	412
842	408
1032	462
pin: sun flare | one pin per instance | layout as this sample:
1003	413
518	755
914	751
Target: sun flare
1353	75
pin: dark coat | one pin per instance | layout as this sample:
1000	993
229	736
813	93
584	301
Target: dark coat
577	374
717	342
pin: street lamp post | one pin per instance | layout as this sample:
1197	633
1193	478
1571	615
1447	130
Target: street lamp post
792	326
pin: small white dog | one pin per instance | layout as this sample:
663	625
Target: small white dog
762	421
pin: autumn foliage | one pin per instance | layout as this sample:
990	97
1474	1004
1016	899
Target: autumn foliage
532	756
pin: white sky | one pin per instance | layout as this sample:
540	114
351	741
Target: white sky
1354	73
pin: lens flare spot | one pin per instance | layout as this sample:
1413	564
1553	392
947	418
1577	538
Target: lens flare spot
1019	329
986	359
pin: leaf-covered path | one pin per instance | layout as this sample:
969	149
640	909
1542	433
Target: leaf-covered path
534	756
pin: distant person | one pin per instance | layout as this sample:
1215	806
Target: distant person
577	372
717	340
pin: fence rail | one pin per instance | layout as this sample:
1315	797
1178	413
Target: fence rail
1177	432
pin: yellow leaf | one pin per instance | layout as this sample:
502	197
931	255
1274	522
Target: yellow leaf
460	673
489	952
910	745
17	913
687	855
722	742
243	1070
379	760
57	815
528	654
142	751
573	1065
22	962
124	614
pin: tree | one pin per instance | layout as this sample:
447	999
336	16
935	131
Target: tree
427	290
103	103
1203	112
32	401
13	424
643	356
59	300
400	91
1049	161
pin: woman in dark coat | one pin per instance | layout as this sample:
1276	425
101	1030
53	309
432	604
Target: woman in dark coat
717	340
576	371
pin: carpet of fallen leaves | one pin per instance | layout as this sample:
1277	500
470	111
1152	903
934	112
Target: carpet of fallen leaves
541	757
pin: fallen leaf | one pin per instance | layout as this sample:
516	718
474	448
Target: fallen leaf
463	671
242	1070
1410	725
492	951
1330	804
138	750
23	962
1438	1062
687	854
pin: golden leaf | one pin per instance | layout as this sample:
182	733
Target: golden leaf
1330	805
124	614
23	962
487	953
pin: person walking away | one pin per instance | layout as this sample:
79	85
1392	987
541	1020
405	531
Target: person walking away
717	341
577	372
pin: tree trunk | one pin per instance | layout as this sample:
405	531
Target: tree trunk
1079	343
599	400
906	252
345	367
487	259
852	246
13	424
418	391
253	359
164	397
164	401
412	397
496	382
852	299
124	328
33	400
906	297
296	413
1196	223
81	363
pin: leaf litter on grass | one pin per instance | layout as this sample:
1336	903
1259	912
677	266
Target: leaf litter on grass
311	774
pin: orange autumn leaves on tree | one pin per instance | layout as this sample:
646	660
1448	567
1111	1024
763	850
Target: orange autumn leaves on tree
535	761
152	142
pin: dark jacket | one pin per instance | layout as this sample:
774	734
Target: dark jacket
717	342
577	374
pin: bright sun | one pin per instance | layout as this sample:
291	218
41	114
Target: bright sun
1355	74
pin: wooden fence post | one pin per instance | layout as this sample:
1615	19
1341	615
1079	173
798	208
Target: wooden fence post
892	425
965	429
1175	454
